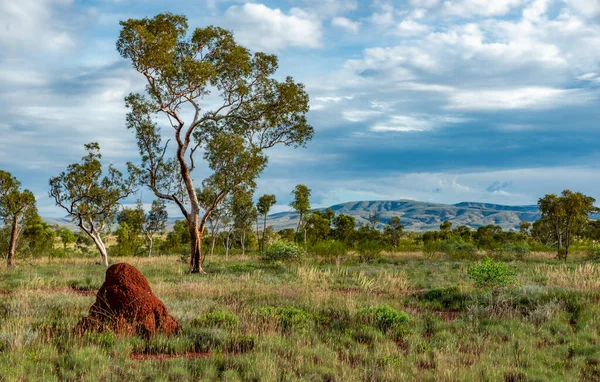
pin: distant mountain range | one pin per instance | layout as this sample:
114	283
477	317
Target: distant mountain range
423	216
416	216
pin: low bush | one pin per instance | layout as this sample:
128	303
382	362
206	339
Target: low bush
282	251
286	317
491	274
369	250
459	249
514	251
329	249
382	317
448	298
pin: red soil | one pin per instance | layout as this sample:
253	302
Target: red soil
125	304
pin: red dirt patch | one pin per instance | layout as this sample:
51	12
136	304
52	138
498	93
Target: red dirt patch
125	304
150	357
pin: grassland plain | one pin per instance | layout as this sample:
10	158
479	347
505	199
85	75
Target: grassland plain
403	316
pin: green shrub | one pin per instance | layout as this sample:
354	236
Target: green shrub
329	248
217	318
382	317
431	247
287	317
369	250
282	251
458	248
490	274
449	298
594	255
517	251
206	339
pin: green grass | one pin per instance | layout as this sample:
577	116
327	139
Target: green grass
394	317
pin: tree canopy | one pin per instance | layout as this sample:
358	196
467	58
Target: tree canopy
253	111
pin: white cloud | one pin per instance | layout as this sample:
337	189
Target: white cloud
521	98
470	8
410	27
347	24
267	29
30	25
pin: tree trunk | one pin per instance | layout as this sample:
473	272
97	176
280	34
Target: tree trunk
257	237
212	243
14	233
196	246
100	245
264	243
150	244
243	242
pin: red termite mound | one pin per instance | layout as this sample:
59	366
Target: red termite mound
125	304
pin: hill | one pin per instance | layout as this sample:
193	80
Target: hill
416	216
423	216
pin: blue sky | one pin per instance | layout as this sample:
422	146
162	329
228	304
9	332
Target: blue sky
444	101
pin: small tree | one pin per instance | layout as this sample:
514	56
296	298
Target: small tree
66	236
263	207
301	204
131	223
155	223
446	226
373	219
343	227
244	213
91	201
15	206
567	215
394	230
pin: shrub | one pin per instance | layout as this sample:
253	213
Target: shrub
382	317
449	298
517	251
217	318
287	317
282	250
490	274
369	250
329	248
431	247
459	249
594	255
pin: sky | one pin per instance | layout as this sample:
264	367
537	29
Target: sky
432	100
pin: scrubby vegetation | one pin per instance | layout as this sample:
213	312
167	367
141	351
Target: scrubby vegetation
398	316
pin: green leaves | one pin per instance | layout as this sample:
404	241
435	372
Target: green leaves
491	274
14	203
88	197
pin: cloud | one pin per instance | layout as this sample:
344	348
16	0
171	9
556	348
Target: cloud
31	25
520	98
346	24
266	29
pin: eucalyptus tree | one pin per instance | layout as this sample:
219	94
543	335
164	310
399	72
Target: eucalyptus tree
567	216
92	201
15	206
244	213
188	74
301	204
263	206
393	230
155	222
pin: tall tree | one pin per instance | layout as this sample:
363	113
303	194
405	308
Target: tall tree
255	112
15	205
90	200
263	206
155	223
301	204
567	214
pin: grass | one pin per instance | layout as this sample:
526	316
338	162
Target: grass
395	317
